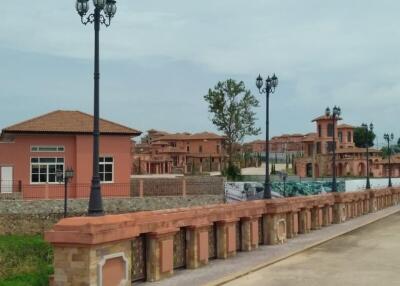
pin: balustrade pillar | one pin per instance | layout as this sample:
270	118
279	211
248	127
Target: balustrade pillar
275	228
326	215
226	239
160	255
197	246
292	224
316	218
107	264
305	221
339	213
249	229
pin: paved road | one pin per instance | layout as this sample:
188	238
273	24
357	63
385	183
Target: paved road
368	256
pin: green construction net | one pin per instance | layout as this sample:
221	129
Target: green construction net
292	189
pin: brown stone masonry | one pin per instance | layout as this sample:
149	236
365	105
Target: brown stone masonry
97	250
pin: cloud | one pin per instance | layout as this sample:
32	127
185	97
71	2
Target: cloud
324	52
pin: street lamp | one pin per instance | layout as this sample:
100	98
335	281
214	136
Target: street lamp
368	129
270	84
69	174
389	138
104	11
336	112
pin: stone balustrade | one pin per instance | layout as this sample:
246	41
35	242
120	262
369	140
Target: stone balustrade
119	249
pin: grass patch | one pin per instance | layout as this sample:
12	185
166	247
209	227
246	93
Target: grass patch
24	260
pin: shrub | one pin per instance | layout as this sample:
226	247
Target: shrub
24	260
232	172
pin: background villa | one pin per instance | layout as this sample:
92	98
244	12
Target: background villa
164	153
31	152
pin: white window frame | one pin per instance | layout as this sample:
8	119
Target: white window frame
47	168
107	163
59	148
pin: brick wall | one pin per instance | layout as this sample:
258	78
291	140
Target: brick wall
175	186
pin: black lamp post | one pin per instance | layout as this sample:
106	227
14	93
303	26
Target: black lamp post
69	174
389	138
368	129
104	11
270	84
336	112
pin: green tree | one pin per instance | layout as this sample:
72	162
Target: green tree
394	149
360	137
232	109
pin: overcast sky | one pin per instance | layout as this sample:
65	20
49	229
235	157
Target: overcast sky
158	59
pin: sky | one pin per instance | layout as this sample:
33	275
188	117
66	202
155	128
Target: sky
159	58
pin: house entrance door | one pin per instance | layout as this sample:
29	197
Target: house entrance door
6	179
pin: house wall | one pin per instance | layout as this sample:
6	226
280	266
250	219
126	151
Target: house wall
209	147
77	155
345	142
17	154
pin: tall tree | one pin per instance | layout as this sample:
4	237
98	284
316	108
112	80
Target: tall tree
231	106
361	138
394	149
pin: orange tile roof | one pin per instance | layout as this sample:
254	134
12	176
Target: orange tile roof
309	137
324	117
188	136
63	121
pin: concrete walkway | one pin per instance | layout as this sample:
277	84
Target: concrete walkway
219	272
368	256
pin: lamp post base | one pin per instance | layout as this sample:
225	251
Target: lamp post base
95	200
267	191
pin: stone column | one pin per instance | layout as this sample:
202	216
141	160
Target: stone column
305	221
349	210
160	255
360	207
365	206
107	264
395	197
226	239
275	228
292	224
249	229
326	220
355	209
316	218
339	213
373	207
197	246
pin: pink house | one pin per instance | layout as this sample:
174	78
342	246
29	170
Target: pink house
31	152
